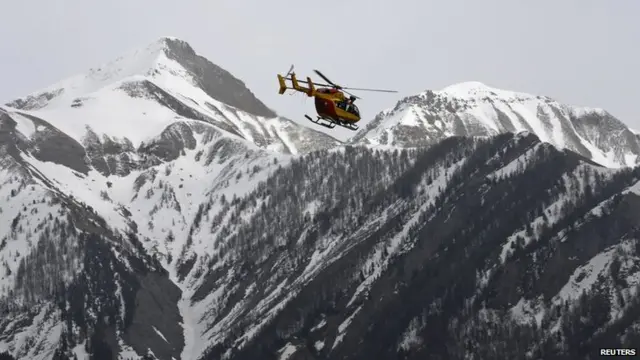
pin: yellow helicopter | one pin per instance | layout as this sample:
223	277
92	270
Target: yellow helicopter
332	106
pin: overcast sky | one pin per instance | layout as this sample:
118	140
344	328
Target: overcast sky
581	52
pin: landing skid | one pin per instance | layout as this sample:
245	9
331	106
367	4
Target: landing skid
330	123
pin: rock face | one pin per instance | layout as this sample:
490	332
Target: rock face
215	81
475	109
148	214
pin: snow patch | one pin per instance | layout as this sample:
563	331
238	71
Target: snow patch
517	166
160	334
287	351
584	277
478	90
343	327
24	124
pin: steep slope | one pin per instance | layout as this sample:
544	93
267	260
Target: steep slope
75	163
307	256
68	282
466	235
106	238
475	109
136	96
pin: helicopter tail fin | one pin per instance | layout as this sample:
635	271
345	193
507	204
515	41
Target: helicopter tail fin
311	90
283	86
294	82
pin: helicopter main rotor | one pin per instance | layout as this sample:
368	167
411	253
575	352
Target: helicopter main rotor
339	87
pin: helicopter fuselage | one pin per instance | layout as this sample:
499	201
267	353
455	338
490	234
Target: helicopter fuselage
330	103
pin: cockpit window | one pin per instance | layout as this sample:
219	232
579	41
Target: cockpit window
352	108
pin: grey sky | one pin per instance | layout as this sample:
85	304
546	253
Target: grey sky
581	52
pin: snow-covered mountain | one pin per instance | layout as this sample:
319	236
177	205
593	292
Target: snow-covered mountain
475	109
136	223
125	152
137	96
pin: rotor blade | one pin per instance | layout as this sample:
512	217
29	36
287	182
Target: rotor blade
325	78
378	90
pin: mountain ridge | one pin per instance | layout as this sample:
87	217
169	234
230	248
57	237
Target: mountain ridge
157	85
469	108
147	61
476	109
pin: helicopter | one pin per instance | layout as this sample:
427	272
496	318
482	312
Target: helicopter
332	106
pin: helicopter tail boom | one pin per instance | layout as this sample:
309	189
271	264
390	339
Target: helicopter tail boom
310	91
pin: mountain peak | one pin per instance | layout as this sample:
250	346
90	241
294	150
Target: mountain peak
478	90
169	38
473	108
138	95
164	60
467	86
